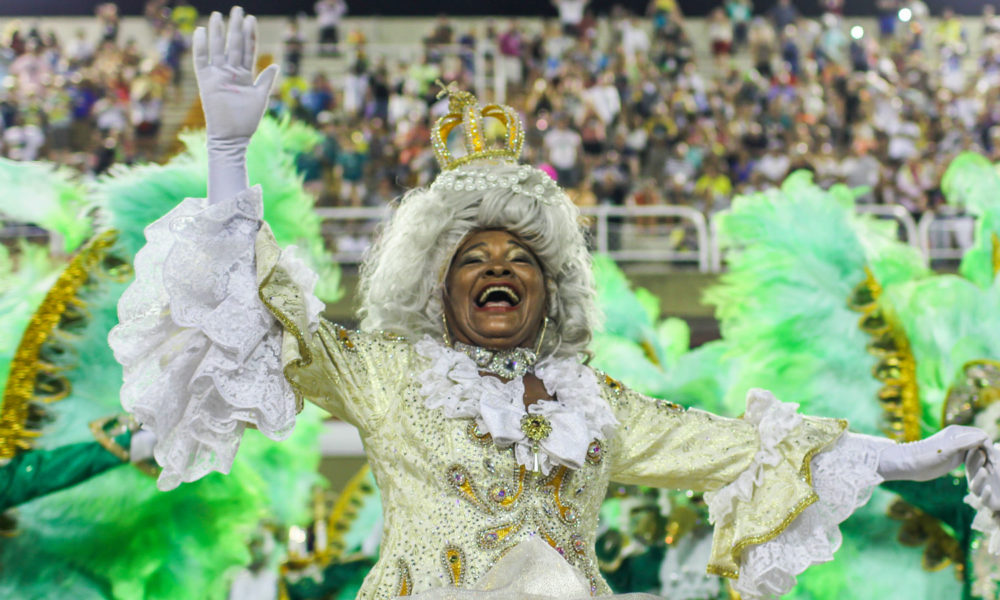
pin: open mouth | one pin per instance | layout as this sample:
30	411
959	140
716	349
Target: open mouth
498	296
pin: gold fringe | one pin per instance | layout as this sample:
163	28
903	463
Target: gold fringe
903	417
26	368
345	510
996	254
805	471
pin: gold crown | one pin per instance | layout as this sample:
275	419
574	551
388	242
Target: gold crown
463	109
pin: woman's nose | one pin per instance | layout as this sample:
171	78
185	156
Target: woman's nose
498	270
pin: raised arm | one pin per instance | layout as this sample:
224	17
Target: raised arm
233	102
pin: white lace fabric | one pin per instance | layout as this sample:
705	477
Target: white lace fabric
201	353
843	477
578	413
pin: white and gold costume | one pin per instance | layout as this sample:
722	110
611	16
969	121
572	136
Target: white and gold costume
209	350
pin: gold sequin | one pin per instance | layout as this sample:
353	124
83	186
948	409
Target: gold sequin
405	586
453	558
896	366
478	436
28	376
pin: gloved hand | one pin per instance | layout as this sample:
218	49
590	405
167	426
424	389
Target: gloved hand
141	447
984	476
233	102
931	458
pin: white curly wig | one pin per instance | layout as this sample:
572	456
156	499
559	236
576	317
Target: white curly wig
402	277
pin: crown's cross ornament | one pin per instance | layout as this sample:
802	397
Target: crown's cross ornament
463	109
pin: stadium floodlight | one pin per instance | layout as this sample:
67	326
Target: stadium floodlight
857	32
905	15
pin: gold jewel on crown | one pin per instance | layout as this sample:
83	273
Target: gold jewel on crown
463	109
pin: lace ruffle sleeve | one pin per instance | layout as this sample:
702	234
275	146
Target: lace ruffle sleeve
356	376
779	484
782	514
201	353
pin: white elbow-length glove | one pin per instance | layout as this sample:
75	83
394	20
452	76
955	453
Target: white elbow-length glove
931	458
233	102
939	454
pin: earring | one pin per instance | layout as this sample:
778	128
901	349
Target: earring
541	336
447	338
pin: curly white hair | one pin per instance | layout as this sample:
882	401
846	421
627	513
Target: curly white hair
402	277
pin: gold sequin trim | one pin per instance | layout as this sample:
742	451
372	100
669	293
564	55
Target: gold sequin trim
567	513
805	471
405	586
305	354
615	385
494	536
459	479
453	560
506	497
896	368
478	436
995	253
27	376
345	509
344	337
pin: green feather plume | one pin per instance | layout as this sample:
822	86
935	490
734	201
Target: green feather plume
116	535
795	255
972	181
48	196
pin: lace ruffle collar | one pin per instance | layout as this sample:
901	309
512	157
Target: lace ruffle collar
577	414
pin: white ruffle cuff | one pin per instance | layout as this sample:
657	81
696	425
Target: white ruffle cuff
201	353
843	477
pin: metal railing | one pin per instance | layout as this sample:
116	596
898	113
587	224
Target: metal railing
609	225
896	213
625	234
945	233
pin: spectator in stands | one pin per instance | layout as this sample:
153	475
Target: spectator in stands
720	35
740	12
570	15
914	181
185	18
351	162
318	98
107	15
328	16
294	43
562	146
510	46
783	14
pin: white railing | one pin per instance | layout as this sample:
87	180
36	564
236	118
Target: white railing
405	53
896	213
945	233
355	225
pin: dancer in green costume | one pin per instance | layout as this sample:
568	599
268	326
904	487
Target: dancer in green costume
140	542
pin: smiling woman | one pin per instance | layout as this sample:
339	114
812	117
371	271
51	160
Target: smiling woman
490	438
403	281
494	293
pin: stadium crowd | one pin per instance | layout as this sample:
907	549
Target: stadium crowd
624	108
93	100
634	109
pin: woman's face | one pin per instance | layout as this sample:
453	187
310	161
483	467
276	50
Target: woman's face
494	292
